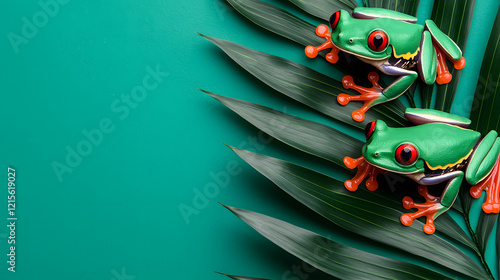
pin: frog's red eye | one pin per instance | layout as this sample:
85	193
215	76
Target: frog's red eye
406	154
369	129
378	40
334	20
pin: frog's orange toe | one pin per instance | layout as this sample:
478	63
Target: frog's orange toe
490	208
444	78
408	202
322	30
459	64
351	186
343	99
359	115
476	191
429	228
311	52
406	220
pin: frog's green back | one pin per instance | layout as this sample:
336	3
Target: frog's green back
439	145
405	37
370	13
442	145
403	33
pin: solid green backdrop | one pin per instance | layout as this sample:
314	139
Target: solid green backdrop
111	140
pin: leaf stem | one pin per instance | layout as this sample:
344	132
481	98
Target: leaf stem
478	251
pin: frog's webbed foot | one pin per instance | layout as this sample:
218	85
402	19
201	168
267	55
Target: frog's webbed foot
443	74
492	185
311	51
368	95
431	208
364	170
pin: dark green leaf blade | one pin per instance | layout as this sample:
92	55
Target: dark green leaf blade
426	95
311	137
485	114
317	139
277	21
363	212
497	239
324	9
409	7
329	256
289	26
453	17
307	86
484	227
241	277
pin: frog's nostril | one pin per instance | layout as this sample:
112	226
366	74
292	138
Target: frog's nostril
351	40
376	154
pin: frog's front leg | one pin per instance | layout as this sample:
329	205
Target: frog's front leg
444	48
483	171
433	206
376	94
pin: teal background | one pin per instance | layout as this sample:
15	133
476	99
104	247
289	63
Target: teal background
116	214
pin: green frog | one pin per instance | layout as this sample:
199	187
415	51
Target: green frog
439	148
394	44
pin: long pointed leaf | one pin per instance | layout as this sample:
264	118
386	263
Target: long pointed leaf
307	86
409	7
497	239
426	95
485	114
453	17
329	256
324	9
311	137
289	26
485	225
241	277
322	141
363	212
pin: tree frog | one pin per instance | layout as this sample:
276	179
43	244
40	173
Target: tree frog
395	45
439	148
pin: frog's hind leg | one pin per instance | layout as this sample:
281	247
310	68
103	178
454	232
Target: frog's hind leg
445	48
367	95
427	60
433	206
484	172
376	94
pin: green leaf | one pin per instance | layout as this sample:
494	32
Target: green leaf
278	21
317	139
308	136
363	212
241	277
485	114
289	26
307	86
497	239
409	7
453	17
329	256
324	9
485	225
426	95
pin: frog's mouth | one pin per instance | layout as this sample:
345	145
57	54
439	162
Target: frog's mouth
393	171
366	58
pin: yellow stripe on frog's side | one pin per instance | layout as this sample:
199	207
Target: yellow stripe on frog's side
407	55
449	165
